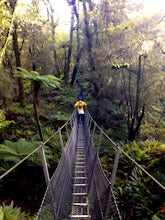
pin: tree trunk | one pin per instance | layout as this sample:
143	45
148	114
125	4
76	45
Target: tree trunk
36	89
135	116
67	67
18	62
79	51
50	16
76	67
89	47
8	33
53	38
88	37
17	52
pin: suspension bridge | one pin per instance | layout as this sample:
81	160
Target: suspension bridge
79	188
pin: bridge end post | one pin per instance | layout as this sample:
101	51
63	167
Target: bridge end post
44	165
115	166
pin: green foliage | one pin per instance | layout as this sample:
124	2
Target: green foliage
150	154
9	212
154	123
3	122
1	213
157	109
155	217
67	99
135	190
5	18
15	151
6	84
24	74
61	116
112	30
4	167
55	141
149	146
136	197
45	80
49	80
15	107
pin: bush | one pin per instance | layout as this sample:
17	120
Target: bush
9	212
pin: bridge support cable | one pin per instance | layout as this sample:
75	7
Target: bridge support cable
43	144
100	139
61	140
96	199
79	188
115	166
56	203
101	198
117	148
44	165
67	131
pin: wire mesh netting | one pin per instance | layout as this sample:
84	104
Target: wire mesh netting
58	198
102	200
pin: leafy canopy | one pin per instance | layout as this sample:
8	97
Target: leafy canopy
45	80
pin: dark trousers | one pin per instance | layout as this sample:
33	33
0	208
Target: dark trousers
80	118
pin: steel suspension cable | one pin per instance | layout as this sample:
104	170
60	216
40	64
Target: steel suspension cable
37	149
139	166
129	157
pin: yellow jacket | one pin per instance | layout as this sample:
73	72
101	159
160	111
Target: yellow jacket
80	105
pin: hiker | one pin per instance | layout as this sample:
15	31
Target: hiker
80	105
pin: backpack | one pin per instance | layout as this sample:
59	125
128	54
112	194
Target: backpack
80	104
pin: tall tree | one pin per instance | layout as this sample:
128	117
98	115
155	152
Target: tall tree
18	60
75	11
50	16
133	91
5	26
17	50
89	40
68	61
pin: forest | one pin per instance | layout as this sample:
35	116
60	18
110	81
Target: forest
113	52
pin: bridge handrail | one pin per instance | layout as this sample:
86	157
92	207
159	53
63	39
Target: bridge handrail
37	149
121	150
117	147
139	166
102	130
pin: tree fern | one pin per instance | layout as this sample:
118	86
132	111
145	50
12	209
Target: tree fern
15	151
46	80
38	81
